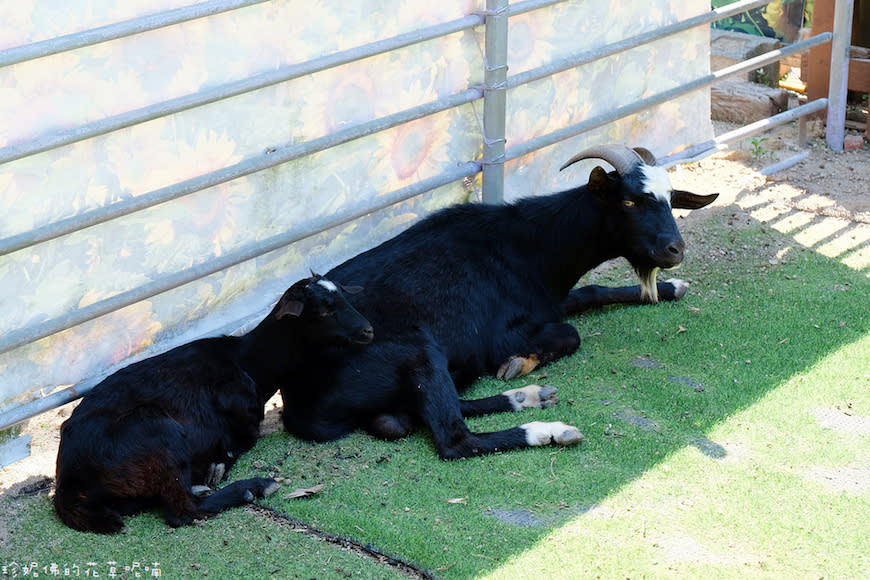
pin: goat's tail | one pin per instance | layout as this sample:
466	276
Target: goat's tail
86	515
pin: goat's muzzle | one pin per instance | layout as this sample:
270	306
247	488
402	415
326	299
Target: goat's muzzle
668	254
364	336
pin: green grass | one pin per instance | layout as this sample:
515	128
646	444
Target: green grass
239	544
724	438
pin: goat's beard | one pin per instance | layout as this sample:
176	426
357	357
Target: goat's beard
649	291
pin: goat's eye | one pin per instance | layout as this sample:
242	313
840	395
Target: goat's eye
628	203
325	313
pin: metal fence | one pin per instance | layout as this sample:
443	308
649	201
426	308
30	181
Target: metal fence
493	94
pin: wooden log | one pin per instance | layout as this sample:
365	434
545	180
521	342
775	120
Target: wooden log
739	101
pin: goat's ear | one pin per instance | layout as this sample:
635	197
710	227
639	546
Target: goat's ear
688	200
351	289
288	307
599	181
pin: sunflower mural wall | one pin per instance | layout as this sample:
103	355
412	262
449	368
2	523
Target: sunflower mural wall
65	90
781	19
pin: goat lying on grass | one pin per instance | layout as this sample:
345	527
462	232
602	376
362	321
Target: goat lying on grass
159	430
481	289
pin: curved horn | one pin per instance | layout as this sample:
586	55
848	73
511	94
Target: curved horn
646	155
620	157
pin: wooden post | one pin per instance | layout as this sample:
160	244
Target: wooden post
817	75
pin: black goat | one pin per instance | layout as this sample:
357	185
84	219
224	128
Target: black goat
157	432
481	289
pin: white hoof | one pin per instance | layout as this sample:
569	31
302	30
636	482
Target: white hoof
539	433
200	490
534	396
272	488
216	472
680	287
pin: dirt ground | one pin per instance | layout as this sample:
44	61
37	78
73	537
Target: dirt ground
833	185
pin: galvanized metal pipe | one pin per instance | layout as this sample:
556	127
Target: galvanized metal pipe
116	122
179	104
711	146
254	250
235	88
802	132
248	166
529	5
835	129
150	22
33	333
494	95
638	106
785	163
588	56
87	219
23	336
119	30
48	402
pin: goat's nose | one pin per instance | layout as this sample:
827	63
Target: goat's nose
669	251
367	334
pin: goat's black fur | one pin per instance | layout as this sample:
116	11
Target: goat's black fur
481	289
147	435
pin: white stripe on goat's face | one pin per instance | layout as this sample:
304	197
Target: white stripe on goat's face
657	182
328	285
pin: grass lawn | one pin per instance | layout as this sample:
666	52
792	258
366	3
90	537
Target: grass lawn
727	435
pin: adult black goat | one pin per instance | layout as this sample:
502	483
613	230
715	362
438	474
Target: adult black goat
481	289
157	432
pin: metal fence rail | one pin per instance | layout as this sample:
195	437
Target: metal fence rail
307	229
492	134
119	30
207	96
493	92
663	97
271	158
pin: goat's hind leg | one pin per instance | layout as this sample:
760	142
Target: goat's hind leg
215	475
79	510
551	342
391	426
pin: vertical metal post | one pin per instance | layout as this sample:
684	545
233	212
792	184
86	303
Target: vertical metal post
494	99
835	131
802	132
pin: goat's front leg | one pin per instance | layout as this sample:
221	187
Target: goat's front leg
439	408
236	494
588	297
528	397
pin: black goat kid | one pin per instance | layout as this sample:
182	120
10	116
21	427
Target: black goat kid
162	431
481	289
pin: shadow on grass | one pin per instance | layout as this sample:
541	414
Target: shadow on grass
647	382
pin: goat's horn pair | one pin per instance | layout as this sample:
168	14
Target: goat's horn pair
620	157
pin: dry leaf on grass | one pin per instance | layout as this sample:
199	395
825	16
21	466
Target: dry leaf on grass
462	500
304	491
